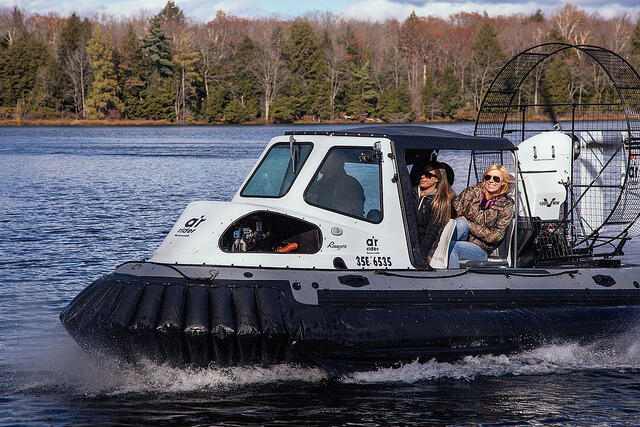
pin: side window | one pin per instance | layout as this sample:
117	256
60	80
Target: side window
348	182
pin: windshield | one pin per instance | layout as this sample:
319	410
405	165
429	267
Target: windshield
278	169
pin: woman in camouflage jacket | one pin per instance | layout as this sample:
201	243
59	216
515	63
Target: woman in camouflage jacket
484	211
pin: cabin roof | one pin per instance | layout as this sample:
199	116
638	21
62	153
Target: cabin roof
419	137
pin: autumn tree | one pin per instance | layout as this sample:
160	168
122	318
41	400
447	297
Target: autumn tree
235	70
103	92
131	73
47	27
185	60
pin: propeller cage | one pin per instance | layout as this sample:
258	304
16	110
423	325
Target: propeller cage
603	190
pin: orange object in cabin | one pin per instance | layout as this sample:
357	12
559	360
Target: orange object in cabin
289	248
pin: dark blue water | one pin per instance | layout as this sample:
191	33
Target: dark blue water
75	202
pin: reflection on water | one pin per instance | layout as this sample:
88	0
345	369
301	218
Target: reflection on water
76	202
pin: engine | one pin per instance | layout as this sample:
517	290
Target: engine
545	164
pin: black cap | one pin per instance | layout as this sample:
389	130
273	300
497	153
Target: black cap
441	165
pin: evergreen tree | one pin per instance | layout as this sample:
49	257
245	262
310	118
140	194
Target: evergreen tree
395	106
102	95
488	59
243	88
156	49
158	101
429	93
554	87
55	83
20	64
307	92
538	16
236	112
214	106
171	13
361	96
450	96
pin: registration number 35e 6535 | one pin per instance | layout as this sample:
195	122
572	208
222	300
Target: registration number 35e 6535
373	261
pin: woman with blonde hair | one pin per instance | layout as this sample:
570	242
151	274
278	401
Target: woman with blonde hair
434	204
484	212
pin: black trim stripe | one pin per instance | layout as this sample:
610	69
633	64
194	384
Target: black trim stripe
494	299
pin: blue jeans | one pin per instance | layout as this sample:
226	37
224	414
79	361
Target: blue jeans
460	248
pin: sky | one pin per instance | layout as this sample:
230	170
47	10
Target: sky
205	10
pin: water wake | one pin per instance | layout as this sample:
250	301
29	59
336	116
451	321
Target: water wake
71	370
621	353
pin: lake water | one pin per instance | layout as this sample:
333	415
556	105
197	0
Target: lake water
75	202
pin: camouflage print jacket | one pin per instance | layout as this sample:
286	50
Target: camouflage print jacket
486	227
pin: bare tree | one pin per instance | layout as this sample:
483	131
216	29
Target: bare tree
47	27
335	56
216	42
268	65
12	26
571	24
77	63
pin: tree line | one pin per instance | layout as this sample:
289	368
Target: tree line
314	68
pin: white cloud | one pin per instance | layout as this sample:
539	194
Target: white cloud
206	10
380	10
203	10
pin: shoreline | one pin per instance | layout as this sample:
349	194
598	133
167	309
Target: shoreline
134	123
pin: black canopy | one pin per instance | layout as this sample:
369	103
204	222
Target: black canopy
420	137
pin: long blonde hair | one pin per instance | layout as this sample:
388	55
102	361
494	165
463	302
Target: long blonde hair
442	200
506	181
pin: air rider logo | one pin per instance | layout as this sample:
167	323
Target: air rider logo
190	226
372	246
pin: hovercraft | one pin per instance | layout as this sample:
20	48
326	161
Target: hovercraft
317	257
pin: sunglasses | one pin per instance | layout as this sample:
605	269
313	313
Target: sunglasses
495	178
430	175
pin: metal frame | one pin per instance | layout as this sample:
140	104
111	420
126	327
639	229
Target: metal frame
603	120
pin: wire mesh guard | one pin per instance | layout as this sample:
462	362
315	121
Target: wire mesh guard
603	193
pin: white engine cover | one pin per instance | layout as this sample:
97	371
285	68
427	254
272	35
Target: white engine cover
545	167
